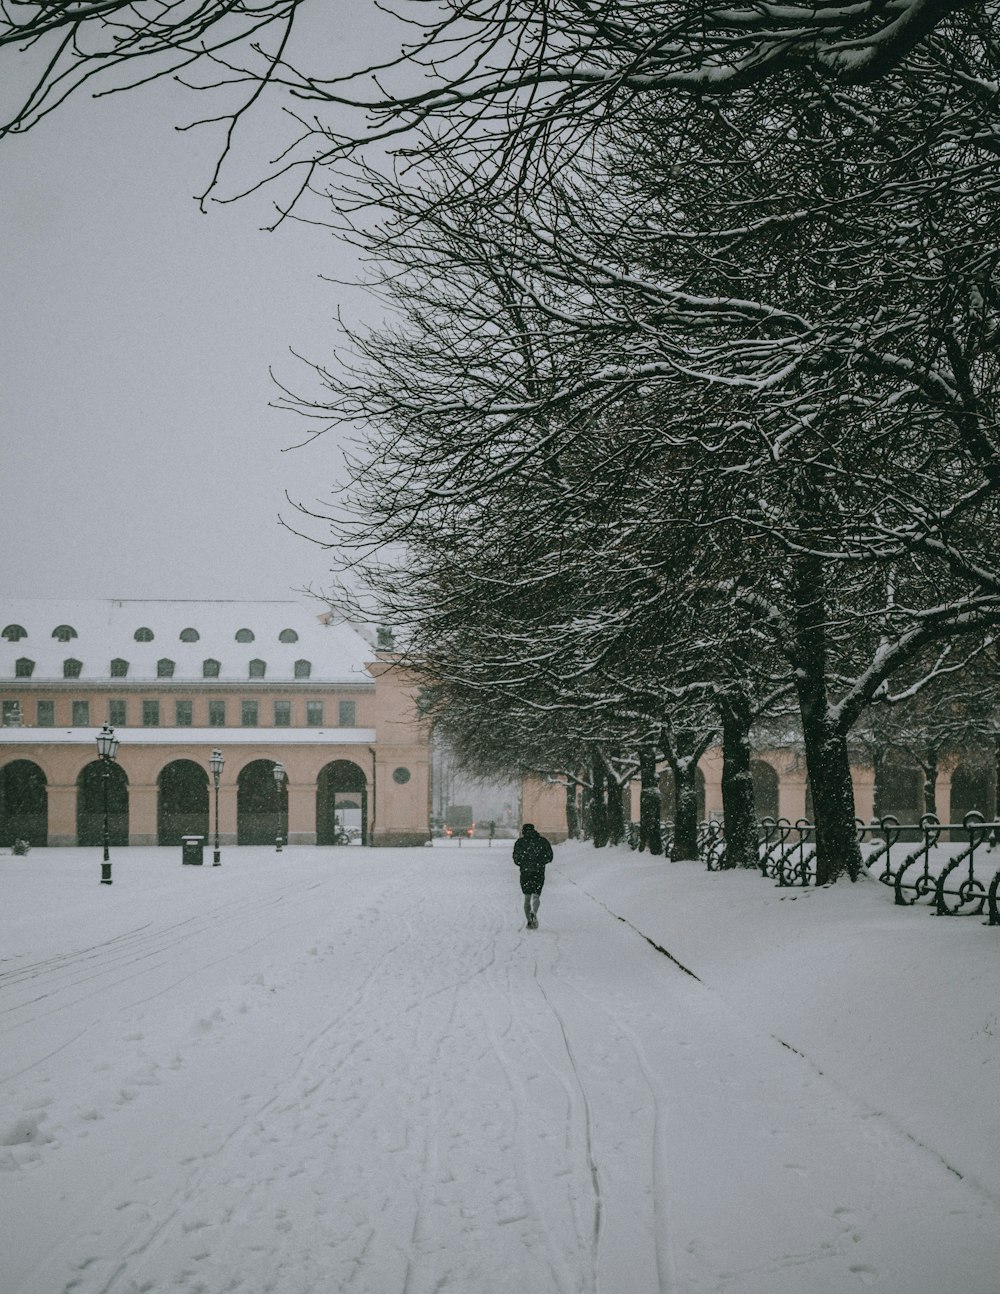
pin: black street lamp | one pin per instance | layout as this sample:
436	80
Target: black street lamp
279	778
216	763
107	749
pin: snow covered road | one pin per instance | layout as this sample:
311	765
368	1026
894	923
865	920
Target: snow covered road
356	1071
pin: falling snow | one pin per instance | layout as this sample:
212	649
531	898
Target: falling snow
355	1070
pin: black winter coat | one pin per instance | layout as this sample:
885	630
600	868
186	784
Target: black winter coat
532	853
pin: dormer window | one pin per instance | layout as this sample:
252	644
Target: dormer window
210	669
14	633
303	668
64	633
288	636
23	668
244	635
72	668
119	668
258	668
164	668
190	635
143	635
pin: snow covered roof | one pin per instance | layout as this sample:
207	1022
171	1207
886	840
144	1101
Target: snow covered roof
154	640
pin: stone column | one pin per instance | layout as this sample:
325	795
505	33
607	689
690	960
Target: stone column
301	813
863	778
142	799
227	813
792	796
711	766
62	814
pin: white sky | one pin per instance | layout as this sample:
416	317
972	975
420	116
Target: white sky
139	455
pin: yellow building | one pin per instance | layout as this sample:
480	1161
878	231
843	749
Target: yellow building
781	790
264	683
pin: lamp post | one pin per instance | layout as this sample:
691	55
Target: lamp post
279	777
107	749
216	763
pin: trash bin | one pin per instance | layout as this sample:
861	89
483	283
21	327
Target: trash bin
191	850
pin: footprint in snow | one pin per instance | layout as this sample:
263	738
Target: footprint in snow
26	1131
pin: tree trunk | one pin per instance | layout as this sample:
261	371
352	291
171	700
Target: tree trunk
930	767
878	782
616	810
598	806
996	778
829	765
650	806
685	768
827	760
738	806
572	816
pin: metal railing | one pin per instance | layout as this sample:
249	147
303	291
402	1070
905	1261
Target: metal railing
787	851
912	858
961	885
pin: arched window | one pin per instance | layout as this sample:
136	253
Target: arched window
119	668
72	668
164	668
288	636
64	633
14	633
303	668
143	635
765	788
971	788
244	635
190	635
210	669
258	668
23	668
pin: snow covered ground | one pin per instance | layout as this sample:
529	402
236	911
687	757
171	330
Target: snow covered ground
355	1070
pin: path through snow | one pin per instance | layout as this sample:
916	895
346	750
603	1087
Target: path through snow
356	1071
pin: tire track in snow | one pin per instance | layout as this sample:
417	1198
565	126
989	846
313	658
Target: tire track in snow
666	1277
616	1031
468	1199
129	949
233	1142
418	1029
588	1125
866	1109
562	1272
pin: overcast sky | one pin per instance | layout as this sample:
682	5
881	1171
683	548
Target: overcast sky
140	458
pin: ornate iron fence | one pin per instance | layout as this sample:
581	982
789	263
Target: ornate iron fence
633	835
787	851
956	884
712	844
957	888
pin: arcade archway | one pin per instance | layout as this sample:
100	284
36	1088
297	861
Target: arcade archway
261	806
341	804
90	804
765	788
182	802
24	804
971	788
898	790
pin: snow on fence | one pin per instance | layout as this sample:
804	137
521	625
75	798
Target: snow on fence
953	866
958	879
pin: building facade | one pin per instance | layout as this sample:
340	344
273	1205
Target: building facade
265	683
781	790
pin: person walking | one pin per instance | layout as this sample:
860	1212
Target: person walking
532	853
